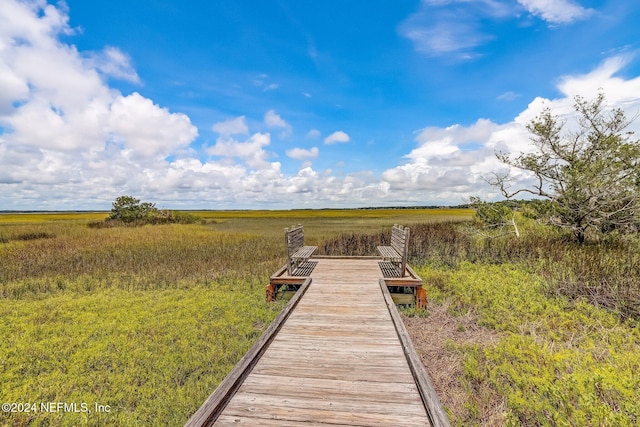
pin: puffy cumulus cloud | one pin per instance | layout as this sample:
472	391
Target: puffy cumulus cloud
251	151
237	126
556	11
273	120
450	164
148	129
32	21
447	161
302	153
337	137
63	130
50	83
442	142
69	141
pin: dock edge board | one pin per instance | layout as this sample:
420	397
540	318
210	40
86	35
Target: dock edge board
434	408
211	409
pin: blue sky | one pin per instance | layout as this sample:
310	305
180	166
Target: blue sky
291	104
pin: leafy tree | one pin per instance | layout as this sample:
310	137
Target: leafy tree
591	175
130	209
499	218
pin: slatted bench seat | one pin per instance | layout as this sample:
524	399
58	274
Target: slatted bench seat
394	257
298	254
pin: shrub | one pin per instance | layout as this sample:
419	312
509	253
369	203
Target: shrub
129	211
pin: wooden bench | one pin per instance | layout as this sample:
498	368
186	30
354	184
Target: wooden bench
394	257
297	252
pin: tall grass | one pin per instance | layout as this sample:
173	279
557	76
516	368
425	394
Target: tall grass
605	273
150	319
147	320
568	318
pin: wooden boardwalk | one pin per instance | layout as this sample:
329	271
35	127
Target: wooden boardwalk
338	359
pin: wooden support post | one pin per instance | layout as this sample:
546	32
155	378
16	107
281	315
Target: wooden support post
421	297
271	293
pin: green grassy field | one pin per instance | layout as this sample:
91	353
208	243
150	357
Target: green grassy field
148	320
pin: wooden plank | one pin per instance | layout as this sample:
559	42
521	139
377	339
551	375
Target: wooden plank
346	257
347	418
321	388
338	359
237	420
215	403
389	269
334	403
287	280
435	410
304	252
331	348
389	253
350	329
305	268
339	309
382	376
403	299
403	281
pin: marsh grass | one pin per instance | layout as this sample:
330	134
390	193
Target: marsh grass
567	318
149	355
557	361
604	273
149	319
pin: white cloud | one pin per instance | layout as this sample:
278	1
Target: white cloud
617	90
508	96
313	133
303	154
445	37
69	131
452	26
337	137
148	129
250	151
237	126
445	160
557	11
273	120
457	27
114	63
92	143
452	163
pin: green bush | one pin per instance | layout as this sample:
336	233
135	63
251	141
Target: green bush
557	363
129	211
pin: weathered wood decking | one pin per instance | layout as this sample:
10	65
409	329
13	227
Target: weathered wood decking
338	358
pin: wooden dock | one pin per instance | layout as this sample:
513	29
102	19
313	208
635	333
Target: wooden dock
337	355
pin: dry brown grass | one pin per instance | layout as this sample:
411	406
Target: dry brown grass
433	337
